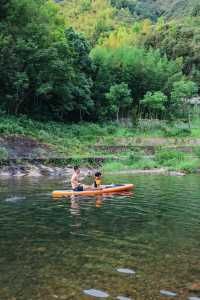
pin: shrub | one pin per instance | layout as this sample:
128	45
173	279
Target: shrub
168	157
135	156
178	130
3	153
150	124
197	151
189	166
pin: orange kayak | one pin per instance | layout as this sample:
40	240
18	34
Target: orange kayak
113	188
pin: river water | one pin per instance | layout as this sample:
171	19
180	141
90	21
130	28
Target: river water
65	249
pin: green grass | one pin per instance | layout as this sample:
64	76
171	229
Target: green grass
144	163
189	166
77	141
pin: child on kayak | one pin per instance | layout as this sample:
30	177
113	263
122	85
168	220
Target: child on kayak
97	180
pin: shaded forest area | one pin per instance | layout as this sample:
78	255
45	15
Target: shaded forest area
98	60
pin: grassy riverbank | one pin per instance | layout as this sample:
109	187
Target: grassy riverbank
152	144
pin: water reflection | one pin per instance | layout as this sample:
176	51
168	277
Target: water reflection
99	201
56	249
75	206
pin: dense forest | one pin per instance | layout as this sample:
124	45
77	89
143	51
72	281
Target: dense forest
98	60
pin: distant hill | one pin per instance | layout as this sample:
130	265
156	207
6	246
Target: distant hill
155	8
81	11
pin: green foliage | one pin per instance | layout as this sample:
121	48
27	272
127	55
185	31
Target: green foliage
45	68
119	98
93	18
3	153
179	39
182	91
155	8
189	166
49	72
136	156
143	164
177	130
169	157
142	70
197	151
154	103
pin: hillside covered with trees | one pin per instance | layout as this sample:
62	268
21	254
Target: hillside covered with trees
98	60
155	8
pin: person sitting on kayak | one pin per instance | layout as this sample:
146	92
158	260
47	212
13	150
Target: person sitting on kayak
97	180
76	186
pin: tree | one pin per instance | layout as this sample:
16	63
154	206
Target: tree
154	103
119	98
140	69
182	91
45	68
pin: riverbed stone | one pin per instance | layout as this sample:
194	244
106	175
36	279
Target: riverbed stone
168	293
174	173
96	293
126	271
34	172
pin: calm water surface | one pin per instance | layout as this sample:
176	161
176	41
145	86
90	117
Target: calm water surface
57	249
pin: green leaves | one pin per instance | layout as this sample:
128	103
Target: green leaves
154	102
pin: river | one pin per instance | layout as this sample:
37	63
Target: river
69	248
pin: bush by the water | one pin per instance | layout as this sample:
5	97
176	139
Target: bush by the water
167	157
177	130
3	154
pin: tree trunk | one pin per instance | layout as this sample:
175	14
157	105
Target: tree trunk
80	115
118	116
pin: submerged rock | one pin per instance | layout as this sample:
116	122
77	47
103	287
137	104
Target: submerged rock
174	173
96	293
126	271
14	199
34	172
168	293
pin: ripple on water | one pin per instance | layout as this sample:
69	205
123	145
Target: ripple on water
125	271
194	298
168	293
14	199
96	293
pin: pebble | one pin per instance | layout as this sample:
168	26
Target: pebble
168	293
126	271
96	293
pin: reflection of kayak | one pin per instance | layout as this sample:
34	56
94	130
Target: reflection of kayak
113	188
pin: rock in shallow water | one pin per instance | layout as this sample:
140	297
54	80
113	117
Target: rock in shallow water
126	271
168	293
14	199
96	293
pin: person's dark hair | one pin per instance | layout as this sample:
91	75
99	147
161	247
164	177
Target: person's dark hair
97	174
76	168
